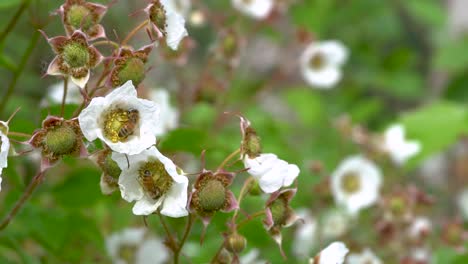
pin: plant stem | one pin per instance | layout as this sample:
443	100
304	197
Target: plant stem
250	218
31	187
106	42
188	227
172	243
64	97
134	31
14	20
19	71
18	134
241	195
228	158
215	257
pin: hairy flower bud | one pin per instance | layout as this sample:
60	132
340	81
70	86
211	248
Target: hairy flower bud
254	188
212	196
61	140
235	243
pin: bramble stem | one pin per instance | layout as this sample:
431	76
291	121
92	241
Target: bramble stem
134	31
18	134
250	218
106	42
188	228
228	158
31	187
19	70
64	97
241	195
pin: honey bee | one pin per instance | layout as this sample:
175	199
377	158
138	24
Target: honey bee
128	128
149	185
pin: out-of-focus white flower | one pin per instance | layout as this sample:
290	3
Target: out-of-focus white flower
462	202
130	246
169	116
355	184
257	9
397	147
420	227
124	122
321	63
55	94
333	254
252	257
197	18
334	224
366	257
181	6
457	19
305	237
421	255
152	180
171	24
4	147
271	172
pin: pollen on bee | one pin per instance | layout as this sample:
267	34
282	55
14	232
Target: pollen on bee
119	124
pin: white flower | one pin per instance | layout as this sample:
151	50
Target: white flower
251	257
152	180
4	147
305	237
169	116
397	147
174	22
333	254
181	6
321	63
366	257
334	224
271	172
131	246
462	201
420	227
55	94
258	9
106	117
355	184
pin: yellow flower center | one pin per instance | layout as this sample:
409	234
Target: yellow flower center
154	179
119	124
317	61
351	183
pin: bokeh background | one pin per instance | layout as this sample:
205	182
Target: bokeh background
408	64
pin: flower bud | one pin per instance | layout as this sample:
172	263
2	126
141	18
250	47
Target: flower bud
212	196
235	243
110	167
279	211
157	15
79	16
251	143
224	257
61	141
254	188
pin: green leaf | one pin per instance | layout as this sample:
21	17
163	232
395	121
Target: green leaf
185	139
429	12
9	3
436	126
452	56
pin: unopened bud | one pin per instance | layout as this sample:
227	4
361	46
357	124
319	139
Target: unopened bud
110	167
279	211
251	145
61	141
254	188
212	196
235	243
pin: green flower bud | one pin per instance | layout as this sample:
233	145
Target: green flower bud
279	211
235	243
157	15
254	188
80	17
212	196
110	167
251	144
76	55
133	69
61	141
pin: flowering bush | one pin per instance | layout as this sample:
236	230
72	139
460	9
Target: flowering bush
243	131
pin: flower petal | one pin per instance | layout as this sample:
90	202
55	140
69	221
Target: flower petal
146	206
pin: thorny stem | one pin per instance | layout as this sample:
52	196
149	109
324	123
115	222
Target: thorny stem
14	20
64	97
188	228
241	195
18	134
134	31
31	187
228	158
19	70
106	42
250	218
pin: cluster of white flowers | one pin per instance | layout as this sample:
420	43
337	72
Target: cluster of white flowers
129	125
